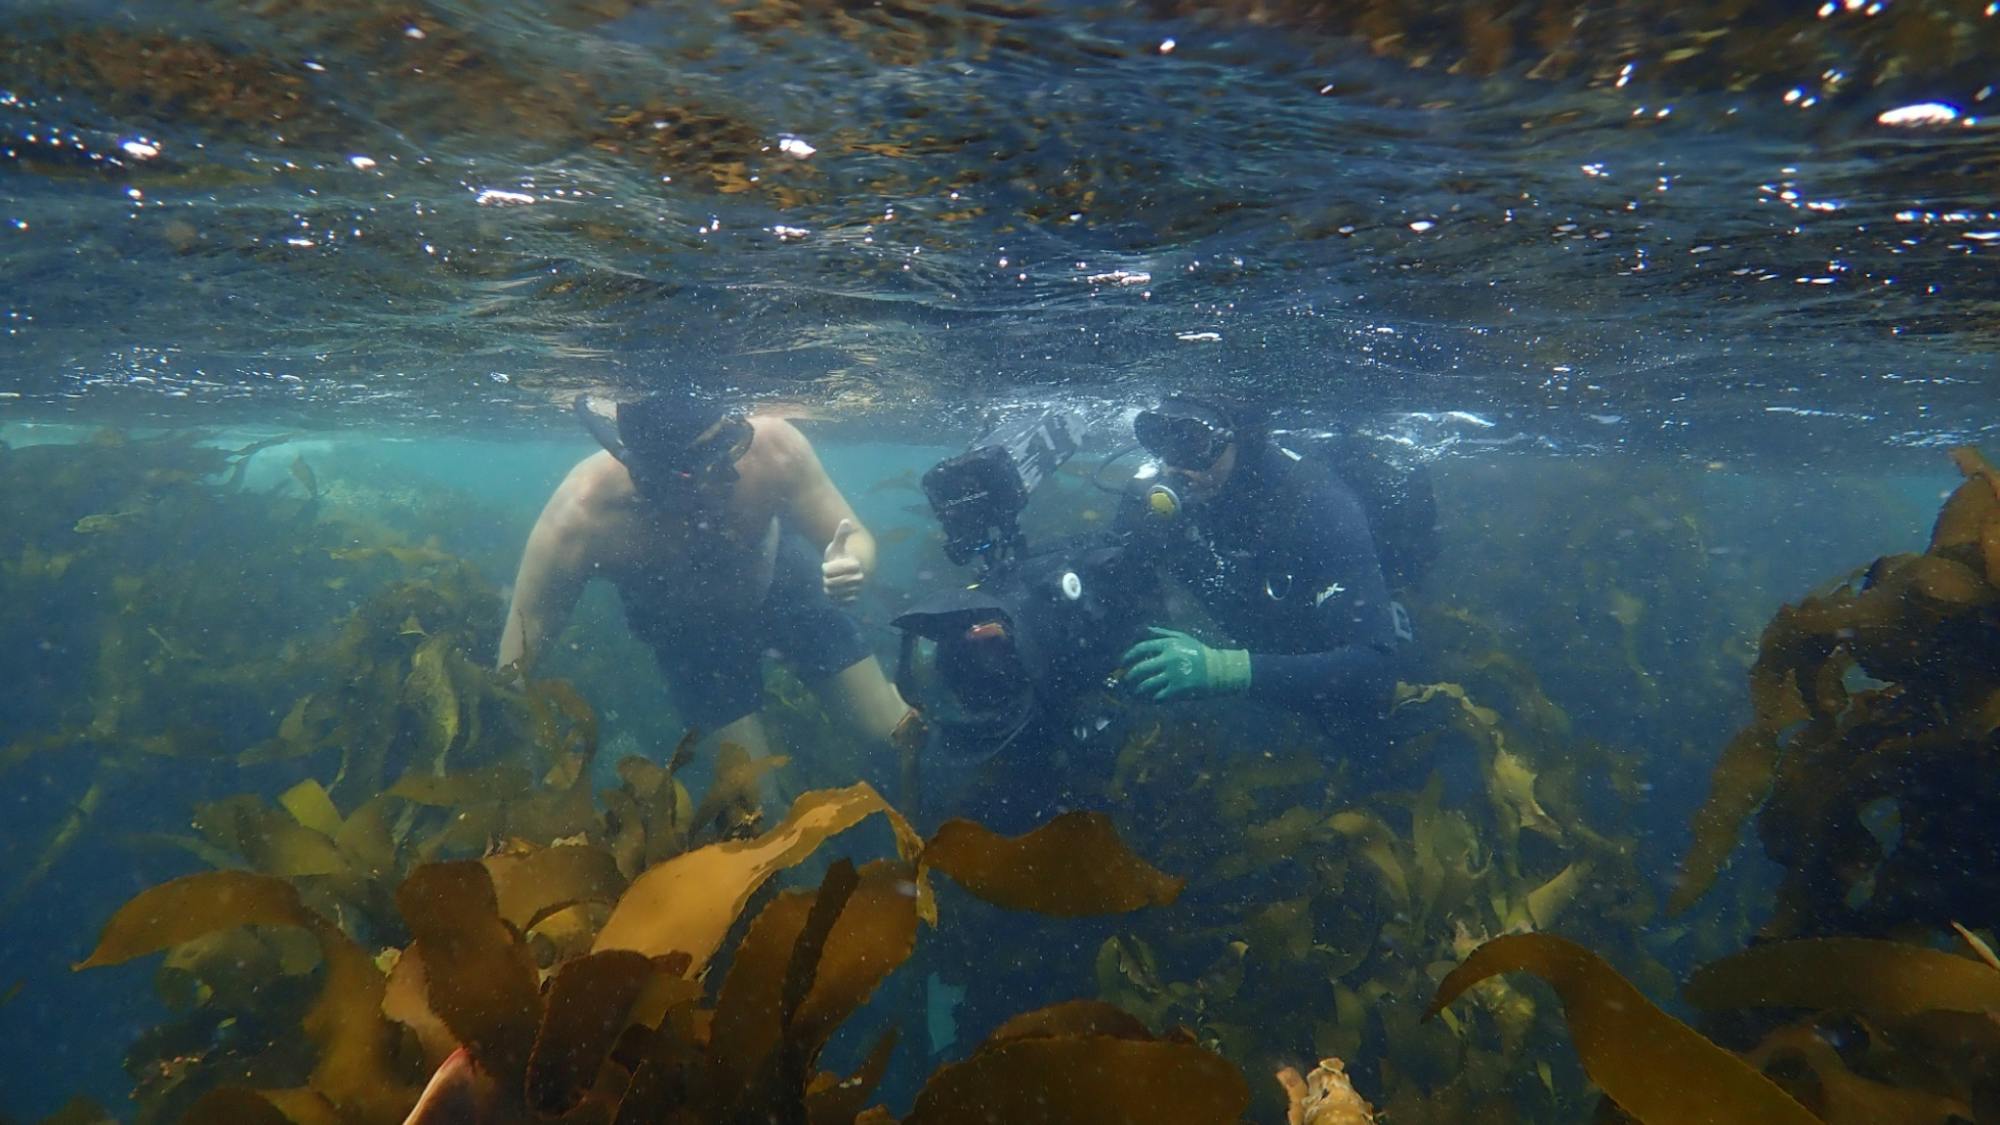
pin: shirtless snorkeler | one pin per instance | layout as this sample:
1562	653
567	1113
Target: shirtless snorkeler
725	540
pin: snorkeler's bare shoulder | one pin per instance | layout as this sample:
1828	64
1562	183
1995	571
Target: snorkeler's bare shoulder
595	501
597	518
777	458
790	478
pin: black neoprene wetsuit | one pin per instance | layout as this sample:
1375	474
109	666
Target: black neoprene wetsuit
1283	560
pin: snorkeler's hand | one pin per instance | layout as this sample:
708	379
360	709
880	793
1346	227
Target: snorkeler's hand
841	574
1174	665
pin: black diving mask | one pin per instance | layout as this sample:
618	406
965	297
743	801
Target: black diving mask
711	458
1182	440
669	446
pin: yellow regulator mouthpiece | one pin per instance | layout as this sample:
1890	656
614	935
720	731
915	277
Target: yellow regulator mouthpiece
1162	502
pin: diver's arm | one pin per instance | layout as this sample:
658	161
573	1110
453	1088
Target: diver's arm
1353	611
1351	676
815	504
554	567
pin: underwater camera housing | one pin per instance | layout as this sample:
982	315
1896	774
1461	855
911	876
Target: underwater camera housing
1036	631
978	496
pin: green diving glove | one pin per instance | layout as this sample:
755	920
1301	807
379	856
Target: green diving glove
1174	665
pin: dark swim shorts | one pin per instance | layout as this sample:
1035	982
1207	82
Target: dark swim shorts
713	661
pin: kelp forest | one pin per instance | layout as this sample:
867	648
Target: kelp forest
1630	845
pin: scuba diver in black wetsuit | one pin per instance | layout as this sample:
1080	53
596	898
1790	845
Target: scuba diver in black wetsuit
1018	673
1279	551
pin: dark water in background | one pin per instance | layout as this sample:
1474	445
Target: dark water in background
1689	243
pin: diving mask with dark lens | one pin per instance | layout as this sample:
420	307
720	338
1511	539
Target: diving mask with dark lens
669	445
712	457
1183	437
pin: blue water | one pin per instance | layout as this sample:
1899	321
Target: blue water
407	234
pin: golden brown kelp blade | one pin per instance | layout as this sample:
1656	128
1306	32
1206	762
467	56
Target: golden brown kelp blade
1073	1017
874	932
688	903
1072	866
233	1105
192	906
500	782
1972	509
482	983
529	887
1060	1079
1843	1097
832	1100
1658	1069
354	1070
1819	748
310	805
406	1000
589	1005
1742	776
1883	979
808	962
67	832
79	1110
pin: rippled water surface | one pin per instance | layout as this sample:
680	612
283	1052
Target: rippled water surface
1585	223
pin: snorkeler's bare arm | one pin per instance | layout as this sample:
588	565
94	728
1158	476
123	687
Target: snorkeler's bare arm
817	509
555	565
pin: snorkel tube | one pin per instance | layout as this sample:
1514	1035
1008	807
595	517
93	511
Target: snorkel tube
601	420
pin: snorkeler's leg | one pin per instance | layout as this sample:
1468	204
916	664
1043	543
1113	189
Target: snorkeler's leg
869	703
749	733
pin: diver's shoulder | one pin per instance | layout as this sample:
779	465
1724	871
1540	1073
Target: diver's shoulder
778	432
1307	480
779	443
597	483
